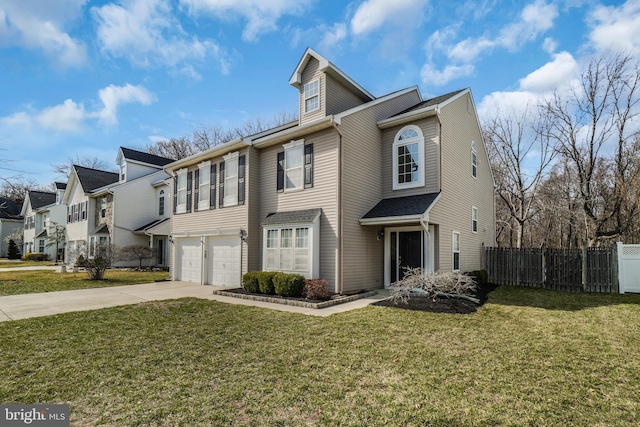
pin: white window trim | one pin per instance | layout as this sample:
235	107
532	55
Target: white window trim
474	219
203	197
291	146
230	199
421	166
313	246
304	95
162	205
181	207
453	250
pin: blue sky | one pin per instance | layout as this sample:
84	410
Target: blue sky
81	78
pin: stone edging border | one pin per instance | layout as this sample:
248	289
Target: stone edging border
305	304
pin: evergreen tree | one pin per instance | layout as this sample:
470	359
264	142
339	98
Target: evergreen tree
14	252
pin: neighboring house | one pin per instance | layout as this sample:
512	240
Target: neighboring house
43	210
130	207
10	222
353	192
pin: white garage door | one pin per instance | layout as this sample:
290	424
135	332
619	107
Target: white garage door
223	261
189	260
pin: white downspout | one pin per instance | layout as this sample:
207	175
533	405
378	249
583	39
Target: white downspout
426	245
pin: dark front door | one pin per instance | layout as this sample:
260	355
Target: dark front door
406	251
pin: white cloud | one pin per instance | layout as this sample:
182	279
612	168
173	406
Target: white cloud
69	117
435	77
261	15
112	96
40	25
551	75
146	33
515	101
616	28
332	36
373	14
534	19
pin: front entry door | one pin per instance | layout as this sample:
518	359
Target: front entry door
406	251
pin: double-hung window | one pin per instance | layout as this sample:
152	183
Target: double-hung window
161	203
204	177
455	249
408	158
103	207
230	180
294	165
312	96
181	191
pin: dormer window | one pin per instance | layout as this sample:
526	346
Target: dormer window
312	96
408	158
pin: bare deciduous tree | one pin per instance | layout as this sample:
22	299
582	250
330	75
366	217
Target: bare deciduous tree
64	168
521	157
593	128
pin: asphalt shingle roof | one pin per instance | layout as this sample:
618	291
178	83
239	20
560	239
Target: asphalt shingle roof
61	185
91	179
292	217
39	199
143	157
429	102
402	206
9	209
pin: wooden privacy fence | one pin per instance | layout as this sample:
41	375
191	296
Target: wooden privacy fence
575	270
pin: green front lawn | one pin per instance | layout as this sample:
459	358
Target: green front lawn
528	357
34	281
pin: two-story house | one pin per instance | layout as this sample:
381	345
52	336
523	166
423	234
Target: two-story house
354	191
42	211
128	207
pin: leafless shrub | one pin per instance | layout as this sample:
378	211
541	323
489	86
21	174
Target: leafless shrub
420	282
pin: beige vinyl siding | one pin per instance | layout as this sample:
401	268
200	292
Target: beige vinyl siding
362	181
322	195
429	127
205	221
312	72
339	98
460	191
254	231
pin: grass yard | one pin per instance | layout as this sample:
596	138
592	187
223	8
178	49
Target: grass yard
5	263
528	357
33	281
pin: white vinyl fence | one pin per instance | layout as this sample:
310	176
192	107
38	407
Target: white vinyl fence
629	267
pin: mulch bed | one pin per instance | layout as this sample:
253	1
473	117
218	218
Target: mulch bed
442	304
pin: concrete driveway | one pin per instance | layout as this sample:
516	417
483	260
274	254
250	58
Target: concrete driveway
15	307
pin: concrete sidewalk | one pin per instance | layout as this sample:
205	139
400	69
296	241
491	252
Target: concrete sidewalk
15	307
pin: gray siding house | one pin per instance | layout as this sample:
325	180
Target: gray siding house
356	189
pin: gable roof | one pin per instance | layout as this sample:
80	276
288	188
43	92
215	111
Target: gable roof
409	207
428	107
92	179
39	199
330	69
9	209
142	157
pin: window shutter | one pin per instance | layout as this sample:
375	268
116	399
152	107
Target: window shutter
221	189
175	193
212	191
197	190
280	176
189	189
241	174
308	166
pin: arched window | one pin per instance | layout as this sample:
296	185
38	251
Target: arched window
408	158
161	203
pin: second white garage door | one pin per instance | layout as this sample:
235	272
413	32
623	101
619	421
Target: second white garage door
223	261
